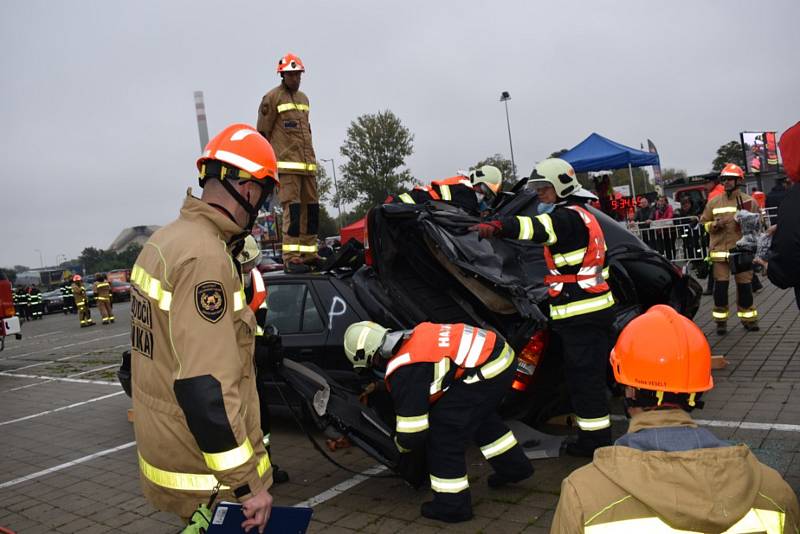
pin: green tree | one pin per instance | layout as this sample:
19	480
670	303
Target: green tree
730	152
506	169
327	224
21	268
127	257
670	175
9	274
376	148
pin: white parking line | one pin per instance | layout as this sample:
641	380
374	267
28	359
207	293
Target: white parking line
43	335
75	380
17	356
745	425
53	379
60	409
341	487
37	364
59	467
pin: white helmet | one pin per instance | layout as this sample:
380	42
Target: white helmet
489	175
561	176
250	256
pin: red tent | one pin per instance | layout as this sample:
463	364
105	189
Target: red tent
356	231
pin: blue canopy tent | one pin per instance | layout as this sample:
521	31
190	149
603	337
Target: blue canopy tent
597	153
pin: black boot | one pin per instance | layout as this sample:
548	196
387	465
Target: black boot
722	329
279	476
497	480
588	442
296	268
432	510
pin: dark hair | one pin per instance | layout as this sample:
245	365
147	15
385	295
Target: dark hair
649	399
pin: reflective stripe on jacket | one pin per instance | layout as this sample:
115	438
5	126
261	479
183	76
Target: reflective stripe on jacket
283	120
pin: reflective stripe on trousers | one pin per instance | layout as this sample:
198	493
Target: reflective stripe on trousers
189	481
581	307
293	247
297	166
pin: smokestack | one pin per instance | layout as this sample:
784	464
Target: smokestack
202	124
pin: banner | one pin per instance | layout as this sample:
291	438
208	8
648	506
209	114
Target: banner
659	181
760	152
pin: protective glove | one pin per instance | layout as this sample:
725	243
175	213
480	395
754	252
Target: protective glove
487	229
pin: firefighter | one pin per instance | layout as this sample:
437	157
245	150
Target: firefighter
192	335
667	474
35	302
458	191
67	298
718	220
419	194
81	301
446	381
487	180
21	303
267	345
283	121
580	298
102	293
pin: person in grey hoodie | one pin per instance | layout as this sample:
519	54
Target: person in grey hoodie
667	474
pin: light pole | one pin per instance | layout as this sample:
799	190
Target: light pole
505	96
336	187
41	258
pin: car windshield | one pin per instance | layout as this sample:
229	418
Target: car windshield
117	283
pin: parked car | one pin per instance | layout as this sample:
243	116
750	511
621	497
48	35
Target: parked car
53	301
120	291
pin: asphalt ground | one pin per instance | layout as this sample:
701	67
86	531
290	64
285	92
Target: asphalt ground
68	461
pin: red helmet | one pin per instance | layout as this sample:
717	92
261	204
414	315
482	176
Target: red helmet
731	169
790	150
290	63
243	147
76	278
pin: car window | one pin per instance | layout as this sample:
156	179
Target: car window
292	309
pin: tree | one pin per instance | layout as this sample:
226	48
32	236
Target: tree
730	152
669	175
21	268
327	224
376	148
506	169
8	274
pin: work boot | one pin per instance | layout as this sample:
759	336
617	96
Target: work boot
751	326
587	442
453	515
496	480
279	476
296	268
722	329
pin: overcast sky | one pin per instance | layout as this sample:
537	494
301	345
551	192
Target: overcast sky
98	122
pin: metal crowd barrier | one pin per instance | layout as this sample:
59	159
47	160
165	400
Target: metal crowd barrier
681	239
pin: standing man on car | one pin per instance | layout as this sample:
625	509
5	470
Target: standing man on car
283	121
580	298
192	335
667	474
718	220
446	382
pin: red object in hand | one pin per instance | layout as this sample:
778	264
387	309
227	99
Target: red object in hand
487	229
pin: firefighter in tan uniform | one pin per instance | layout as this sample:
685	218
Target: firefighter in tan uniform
102	292
197	414
283	120
724	232
81	301
667	474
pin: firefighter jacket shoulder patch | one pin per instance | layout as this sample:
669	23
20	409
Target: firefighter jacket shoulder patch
209	298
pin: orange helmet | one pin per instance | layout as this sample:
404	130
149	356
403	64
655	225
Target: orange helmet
663	351
731	169
243	147
76	278
290	63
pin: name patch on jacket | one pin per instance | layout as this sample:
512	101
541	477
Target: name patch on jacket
141	324
290	124
210	300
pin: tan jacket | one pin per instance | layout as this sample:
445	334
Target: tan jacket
102	291
721	210
704	490
283	120
78	293
194	393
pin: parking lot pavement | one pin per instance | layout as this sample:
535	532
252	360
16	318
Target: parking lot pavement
69	459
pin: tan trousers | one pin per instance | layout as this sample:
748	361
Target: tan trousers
104	307
300	202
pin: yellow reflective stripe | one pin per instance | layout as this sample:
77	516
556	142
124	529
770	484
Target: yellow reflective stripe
190	481
238	300
151	286
574	257
221	461
581	307
292	106
755	520
410	425
449	485
497	366
547	222
707	226
499	446
727	209
440	370
259	330
405	197
444	192
606	273
719	255
748	314
400	447
101	285
307	248
525	227
719	314
598	423
289	247
297	166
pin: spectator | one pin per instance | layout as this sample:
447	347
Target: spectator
644	216
774	199
692	246
324	250
665	233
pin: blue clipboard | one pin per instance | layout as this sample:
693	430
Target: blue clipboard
228	517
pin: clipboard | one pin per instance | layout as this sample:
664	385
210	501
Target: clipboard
228	517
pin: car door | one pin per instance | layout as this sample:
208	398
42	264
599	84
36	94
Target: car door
296	314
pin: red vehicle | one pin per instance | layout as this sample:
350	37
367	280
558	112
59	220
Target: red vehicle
119	275
120	291
9	322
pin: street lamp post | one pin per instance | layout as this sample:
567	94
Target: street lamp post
336	187
505	96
